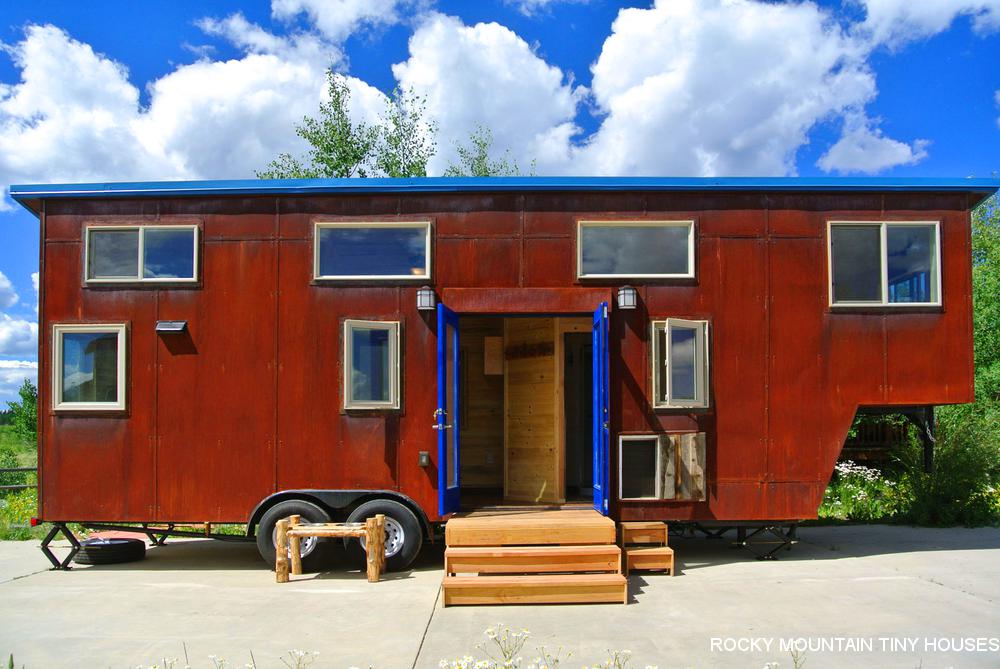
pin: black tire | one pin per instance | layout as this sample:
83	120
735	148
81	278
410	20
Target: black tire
318	556
110	551
406	522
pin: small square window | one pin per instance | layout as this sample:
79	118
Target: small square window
680	363
635	249
371	365
89	363
884	263
372	251
146	253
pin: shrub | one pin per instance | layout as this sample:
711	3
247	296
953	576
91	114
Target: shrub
857	492
963	488
16	510
9	460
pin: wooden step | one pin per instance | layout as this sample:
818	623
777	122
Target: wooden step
644	532
530	527
544	589
531	559
649	557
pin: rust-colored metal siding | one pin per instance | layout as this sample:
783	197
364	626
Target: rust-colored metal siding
250	401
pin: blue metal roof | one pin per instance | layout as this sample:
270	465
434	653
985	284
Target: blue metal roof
26	194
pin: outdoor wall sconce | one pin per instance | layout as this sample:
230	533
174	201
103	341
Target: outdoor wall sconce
627	297
425	299
171	327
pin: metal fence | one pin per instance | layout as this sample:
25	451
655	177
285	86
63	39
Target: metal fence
18	470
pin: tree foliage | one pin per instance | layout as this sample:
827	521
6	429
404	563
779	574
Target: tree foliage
474	158
24	412
398	145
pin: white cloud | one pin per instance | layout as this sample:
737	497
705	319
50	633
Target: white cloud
337	19
895	22
719	87
8	296
533	7
34	284
12	375
486	74
69	117
18	337
863	148
74	116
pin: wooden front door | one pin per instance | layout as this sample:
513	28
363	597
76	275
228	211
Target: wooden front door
533	399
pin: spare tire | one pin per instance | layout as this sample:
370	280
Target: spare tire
110	551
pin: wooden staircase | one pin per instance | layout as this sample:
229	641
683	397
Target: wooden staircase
532	557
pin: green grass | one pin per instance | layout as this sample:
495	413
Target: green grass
25	451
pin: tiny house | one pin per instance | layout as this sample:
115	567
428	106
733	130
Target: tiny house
659	348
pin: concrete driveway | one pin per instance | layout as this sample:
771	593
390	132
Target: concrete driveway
868	596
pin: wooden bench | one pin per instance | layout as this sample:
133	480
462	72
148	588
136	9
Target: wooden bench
291	531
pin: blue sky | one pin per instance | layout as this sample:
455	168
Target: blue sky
160	90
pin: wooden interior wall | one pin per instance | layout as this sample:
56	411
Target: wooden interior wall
482	406
533	470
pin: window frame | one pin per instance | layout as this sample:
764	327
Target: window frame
647	223
140	267
884	265
703	356
395	365
428	246
58	329
658	472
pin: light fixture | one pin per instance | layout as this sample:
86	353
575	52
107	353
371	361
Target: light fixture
627	297
171	327
425	298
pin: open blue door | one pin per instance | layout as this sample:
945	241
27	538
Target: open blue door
602	435
447	413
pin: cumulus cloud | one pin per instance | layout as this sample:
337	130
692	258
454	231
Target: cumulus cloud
13	373
75	116
34	284
336	19
863	148
18	337
719	87
895	22
8	296
486	74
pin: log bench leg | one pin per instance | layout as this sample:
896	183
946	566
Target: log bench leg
295	545
281	552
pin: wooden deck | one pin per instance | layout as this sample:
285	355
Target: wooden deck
531	555
528	527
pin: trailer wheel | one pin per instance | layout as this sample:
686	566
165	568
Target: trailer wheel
110	551
314	550
403	534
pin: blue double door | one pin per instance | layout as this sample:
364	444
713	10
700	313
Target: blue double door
447	414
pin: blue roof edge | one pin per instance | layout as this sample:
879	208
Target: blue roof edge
251	187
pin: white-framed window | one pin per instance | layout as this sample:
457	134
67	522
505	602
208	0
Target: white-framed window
372	250
371	364
640	466
635	249
89	366
680	363
141	253
884	263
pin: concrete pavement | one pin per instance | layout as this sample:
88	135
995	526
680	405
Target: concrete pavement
867	596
